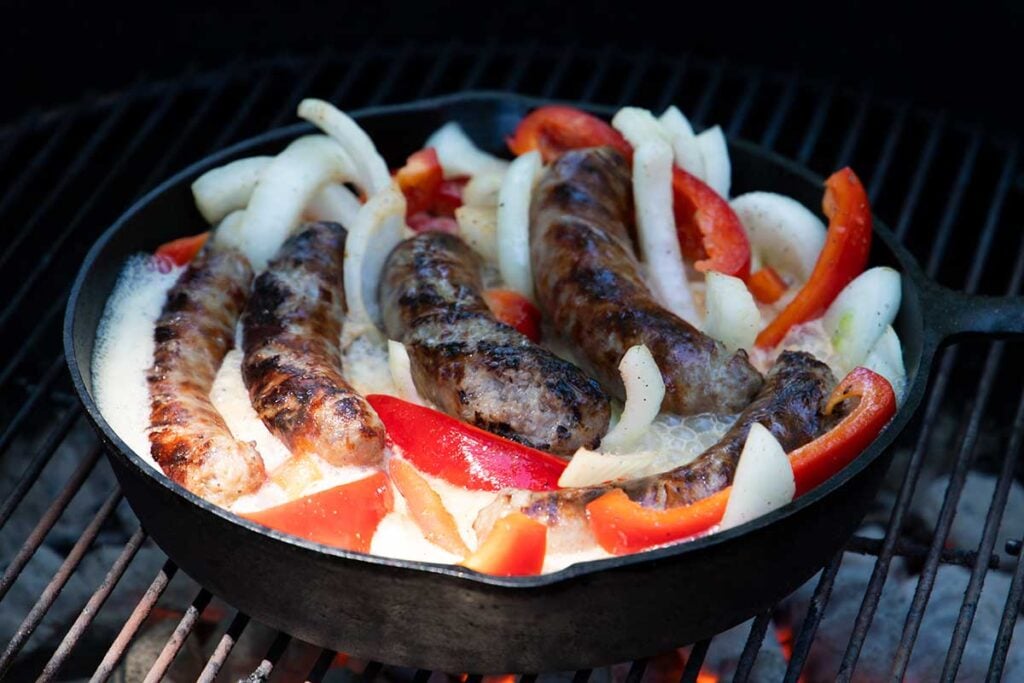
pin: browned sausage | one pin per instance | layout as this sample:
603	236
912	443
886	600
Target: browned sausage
788	405
291	332
588	281
188	437
476	368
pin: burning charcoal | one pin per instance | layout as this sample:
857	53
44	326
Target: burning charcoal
724	655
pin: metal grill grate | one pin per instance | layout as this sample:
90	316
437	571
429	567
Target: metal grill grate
953	193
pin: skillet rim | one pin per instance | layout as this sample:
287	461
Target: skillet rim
910	270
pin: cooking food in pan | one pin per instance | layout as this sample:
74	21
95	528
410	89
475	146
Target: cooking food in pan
587	350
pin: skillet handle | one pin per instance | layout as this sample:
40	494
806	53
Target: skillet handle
957	314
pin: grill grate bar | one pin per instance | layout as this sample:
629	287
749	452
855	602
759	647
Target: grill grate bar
39	461
938	386
752	646
44	385
266	667
947	512
93	606
433	77
301	89
82	160
178	638
636	74
963	178
558	73
32	340
372	669
228	133
47	520
923	168
582	676
320	666
771	132
962	558
852	137
38	161
43	261
224	647
892	139
988	541
816	125
695	660
742	110
703	108
131	625
387	84
597	75
355	68
421	676
1011	611
519	67
56	585
815	611
482	61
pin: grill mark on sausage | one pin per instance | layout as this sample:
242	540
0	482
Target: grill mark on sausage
188	437
588	281
292	361
474	367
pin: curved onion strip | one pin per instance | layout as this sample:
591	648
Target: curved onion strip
639	126
717	167
656	228
478	226
859	315
371	170
886	358
731	315
783	233
687	153
378	228
763	482
482	189
334	202
222	190
645	390
227	231
401	372
459	156
284	188
514	223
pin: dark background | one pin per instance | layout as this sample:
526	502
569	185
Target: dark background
966	58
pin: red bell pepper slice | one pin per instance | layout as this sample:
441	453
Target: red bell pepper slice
710	232
843	257
515	310
345	516
555	129
420	180
515	547
181	251
623	526
462	454
766	285
449	196
427	222
426	508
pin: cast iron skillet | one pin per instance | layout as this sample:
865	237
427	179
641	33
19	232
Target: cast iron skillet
447	618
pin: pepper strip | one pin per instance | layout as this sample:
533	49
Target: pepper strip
623	526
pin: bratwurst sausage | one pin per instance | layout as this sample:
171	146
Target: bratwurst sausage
291	332
789	405
474	367
188	437
588	281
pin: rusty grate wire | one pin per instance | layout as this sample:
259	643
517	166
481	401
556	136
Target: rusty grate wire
953	193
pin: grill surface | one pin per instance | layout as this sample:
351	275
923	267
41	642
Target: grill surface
952	192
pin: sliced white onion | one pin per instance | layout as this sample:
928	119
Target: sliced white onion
336	203
482	189
478	226
222	190
514	223
645	390
783	233
860	314
459	156
227	231
639	126
763	482
685	149
656	228
401	372
886	358
730	313
717	167
284	189
371	170
378	228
